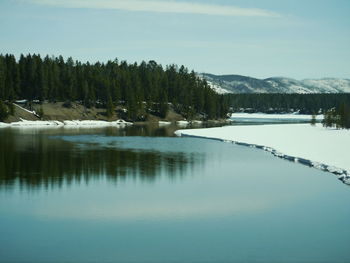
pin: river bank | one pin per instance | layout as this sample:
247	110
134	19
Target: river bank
75	114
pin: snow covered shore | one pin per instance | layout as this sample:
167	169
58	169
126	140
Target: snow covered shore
74	123
257	117
315	146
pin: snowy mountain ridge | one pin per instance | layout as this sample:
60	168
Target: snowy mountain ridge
241	84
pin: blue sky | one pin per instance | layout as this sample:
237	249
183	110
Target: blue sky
259	38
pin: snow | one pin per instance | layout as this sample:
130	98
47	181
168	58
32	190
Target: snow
282	117
74	123
329	85
164	123
32	112
197	122
217	88
4	125
183	123
243	84
21	101
25	123
95	123
323	148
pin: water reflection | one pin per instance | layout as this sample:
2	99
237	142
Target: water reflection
208	200
38	159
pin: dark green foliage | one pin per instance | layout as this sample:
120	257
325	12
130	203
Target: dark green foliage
313	120
270	103
110	108
11	108
334	106
4	111
329	118
338	117
40	112
163	109
344	116
141	89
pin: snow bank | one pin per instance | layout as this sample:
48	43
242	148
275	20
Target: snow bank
95	123
182	123
164	123
316	146
4	125
75	123
197	122
273	117
25	123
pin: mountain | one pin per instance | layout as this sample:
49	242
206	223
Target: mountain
242	84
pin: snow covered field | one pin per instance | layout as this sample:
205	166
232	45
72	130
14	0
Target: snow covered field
260	117
323	148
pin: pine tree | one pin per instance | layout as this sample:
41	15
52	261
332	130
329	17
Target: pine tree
110	108
40	112
2	78
130	85
4	112
313	120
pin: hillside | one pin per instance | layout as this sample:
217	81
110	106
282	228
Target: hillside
141	89
241	84
76	111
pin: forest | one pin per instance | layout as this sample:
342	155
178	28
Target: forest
338	117
335	107
283	103
139	88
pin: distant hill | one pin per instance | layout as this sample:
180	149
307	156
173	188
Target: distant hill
242	84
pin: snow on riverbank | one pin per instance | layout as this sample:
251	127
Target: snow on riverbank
93	123
32	112
74	123
164	123
273	117
323	148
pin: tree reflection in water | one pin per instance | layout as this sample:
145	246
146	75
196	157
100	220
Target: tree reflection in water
33	160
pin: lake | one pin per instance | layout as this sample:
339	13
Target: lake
140	194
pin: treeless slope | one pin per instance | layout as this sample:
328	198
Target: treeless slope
56	111
20	113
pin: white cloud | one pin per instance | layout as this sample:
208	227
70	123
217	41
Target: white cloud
159	7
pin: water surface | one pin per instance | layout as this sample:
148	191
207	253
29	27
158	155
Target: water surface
110	195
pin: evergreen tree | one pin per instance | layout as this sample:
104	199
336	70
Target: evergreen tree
344	116
40	112
129	85
2	79
110	108
313	120
4	112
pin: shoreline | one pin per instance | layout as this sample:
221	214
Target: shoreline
279	117
67	123
57	114
343	174
101	123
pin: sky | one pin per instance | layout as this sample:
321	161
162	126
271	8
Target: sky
259	38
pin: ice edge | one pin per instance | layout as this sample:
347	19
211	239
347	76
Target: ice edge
342	174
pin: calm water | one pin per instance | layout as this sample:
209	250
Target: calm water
110	195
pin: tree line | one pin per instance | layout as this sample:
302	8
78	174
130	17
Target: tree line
140	88
335	107
338	117
274	103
